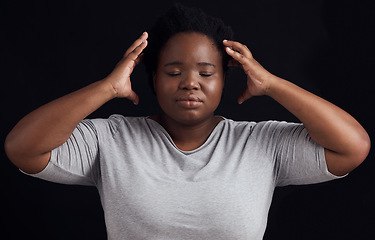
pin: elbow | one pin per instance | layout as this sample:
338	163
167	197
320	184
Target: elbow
356	152
364	150
25	162
360	149
14	149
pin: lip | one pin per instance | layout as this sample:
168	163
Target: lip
193	98
189	101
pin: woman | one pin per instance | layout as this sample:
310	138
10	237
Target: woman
186	173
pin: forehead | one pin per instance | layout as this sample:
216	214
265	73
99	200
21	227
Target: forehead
190	47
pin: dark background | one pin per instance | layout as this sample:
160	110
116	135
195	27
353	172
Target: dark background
55	47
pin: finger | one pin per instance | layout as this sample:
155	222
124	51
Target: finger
240	58
139	58
134	57
238	47
137	52
133	97
245	95
136	43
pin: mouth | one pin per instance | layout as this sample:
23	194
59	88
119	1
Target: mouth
189	101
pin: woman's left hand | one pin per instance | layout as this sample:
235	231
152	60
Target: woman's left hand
345	141
259	79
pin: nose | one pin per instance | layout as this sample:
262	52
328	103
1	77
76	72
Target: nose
189	82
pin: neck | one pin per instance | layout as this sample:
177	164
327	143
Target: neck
188	137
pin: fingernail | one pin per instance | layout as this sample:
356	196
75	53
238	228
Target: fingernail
225	40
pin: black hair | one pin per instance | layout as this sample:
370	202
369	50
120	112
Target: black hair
180	19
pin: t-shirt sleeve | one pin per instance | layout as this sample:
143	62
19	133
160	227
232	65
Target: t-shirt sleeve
297	158
76	161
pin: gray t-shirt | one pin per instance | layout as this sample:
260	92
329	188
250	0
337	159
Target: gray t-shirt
150	189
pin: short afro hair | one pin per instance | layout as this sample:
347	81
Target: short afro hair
180	19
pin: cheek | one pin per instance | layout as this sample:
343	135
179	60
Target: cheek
159	83
215	88
162	86
165	90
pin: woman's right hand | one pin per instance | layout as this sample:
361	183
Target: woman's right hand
53	123
119	78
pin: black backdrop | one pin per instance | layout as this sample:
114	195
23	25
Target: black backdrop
54	47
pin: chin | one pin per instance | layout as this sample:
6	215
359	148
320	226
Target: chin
190	117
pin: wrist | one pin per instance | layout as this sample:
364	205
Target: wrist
271	85
107	88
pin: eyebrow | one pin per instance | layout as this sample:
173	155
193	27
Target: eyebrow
206	64
180	63
173	63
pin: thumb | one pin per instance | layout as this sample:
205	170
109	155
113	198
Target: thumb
245	95
133	97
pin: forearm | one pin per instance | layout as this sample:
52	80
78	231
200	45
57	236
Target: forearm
328	125
31	141
346	143
52	124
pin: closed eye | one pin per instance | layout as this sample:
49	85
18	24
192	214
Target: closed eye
174	74
205	74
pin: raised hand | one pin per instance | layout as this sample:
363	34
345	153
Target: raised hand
120	76
258	78
346	144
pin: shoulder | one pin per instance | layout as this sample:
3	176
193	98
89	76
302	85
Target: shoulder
262	125
117	122
261	129
237	126
273	126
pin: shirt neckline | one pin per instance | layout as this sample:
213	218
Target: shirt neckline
162	129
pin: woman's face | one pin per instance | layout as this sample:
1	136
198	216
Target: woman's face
189	79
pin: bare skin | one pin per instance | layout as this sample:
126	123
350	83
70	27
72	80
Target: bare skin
345	141
31	141
188	100
188	83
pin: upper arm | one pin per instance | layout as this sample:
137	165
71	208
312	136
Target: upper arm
34	165
73	162
298	159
